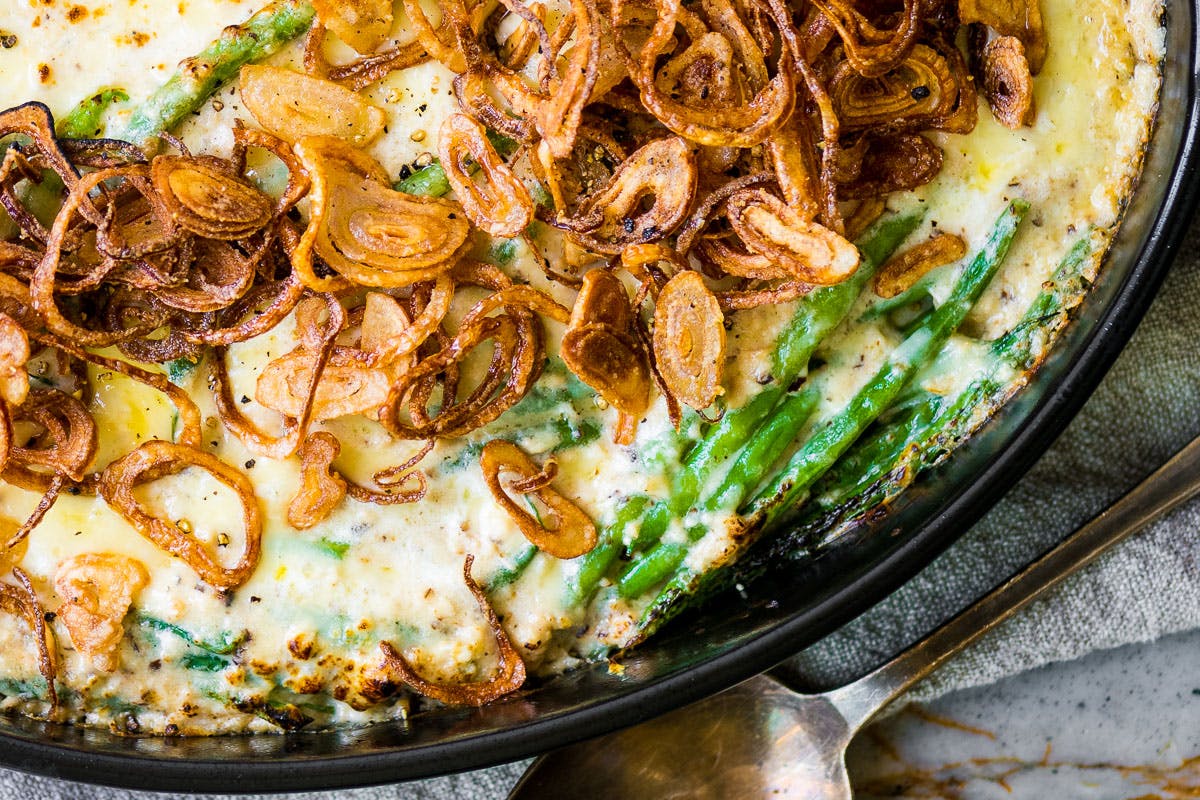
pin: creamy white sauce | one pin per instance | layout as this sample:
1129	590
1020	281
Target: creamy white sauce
321	600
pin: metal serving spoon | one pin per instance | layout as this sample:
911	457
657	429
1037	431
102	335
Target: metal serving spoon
764	740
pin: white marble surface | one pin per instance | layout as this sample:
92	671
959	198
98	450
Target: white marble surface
1115	725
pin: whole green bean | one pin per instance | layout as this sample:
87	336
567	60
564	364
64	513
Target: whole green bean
198	77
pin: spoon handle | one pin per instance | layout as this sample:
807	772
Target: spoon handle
1171	484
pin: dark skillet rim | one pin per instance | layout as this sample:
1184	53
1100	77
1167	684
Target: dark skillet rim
1041	425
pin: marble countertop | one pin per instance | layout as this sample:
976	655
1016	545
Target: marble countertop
1121	724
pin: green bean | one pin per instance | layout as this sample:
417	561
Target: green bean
824	309
506	575
840	431
594	565
85	121
336	549
762	451
719	444
180	369
1066	284
199	76
431	180
651	569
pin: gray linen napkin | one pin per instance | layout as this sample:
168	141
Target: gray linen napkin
1146	409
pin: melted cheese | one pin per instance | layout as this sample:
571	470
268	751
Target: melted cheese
308	624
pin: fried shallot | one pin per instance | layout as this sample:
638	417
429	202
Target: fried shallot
569	532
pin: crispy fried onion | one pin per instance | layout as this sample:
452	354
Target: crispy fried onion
362	24
347	383
558	116
604	351
361	72
14	352
1019	18
60	440
893	164
509	678
498	202
568	532
1007	82
97	590
22	601
156	459
321	489
663	170
919	92
791	246
871	50
205	196
902	270
293	106
744	123
398	484
319	328
517	355
364	231
689	340
43	151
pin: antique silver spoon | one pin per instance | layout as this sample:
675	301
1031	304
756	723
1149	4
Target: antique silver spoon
764	740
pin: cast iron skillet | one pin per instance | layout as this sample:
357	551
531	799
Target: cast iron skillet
733	637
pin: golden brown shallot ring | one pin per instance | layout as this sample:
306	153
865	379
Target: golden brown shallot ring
920	88
394	482
14	352
1007	83
35	517
664	169
347	385
365	231
558	116
509	679
1019	18
362	24
321	489
69	440
902	270
794	157
203	195
22	601
865	214
400	344
689	340
498	203
292	106
872	51
570	532
600	345
801	250
156	459
742	125
97	590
